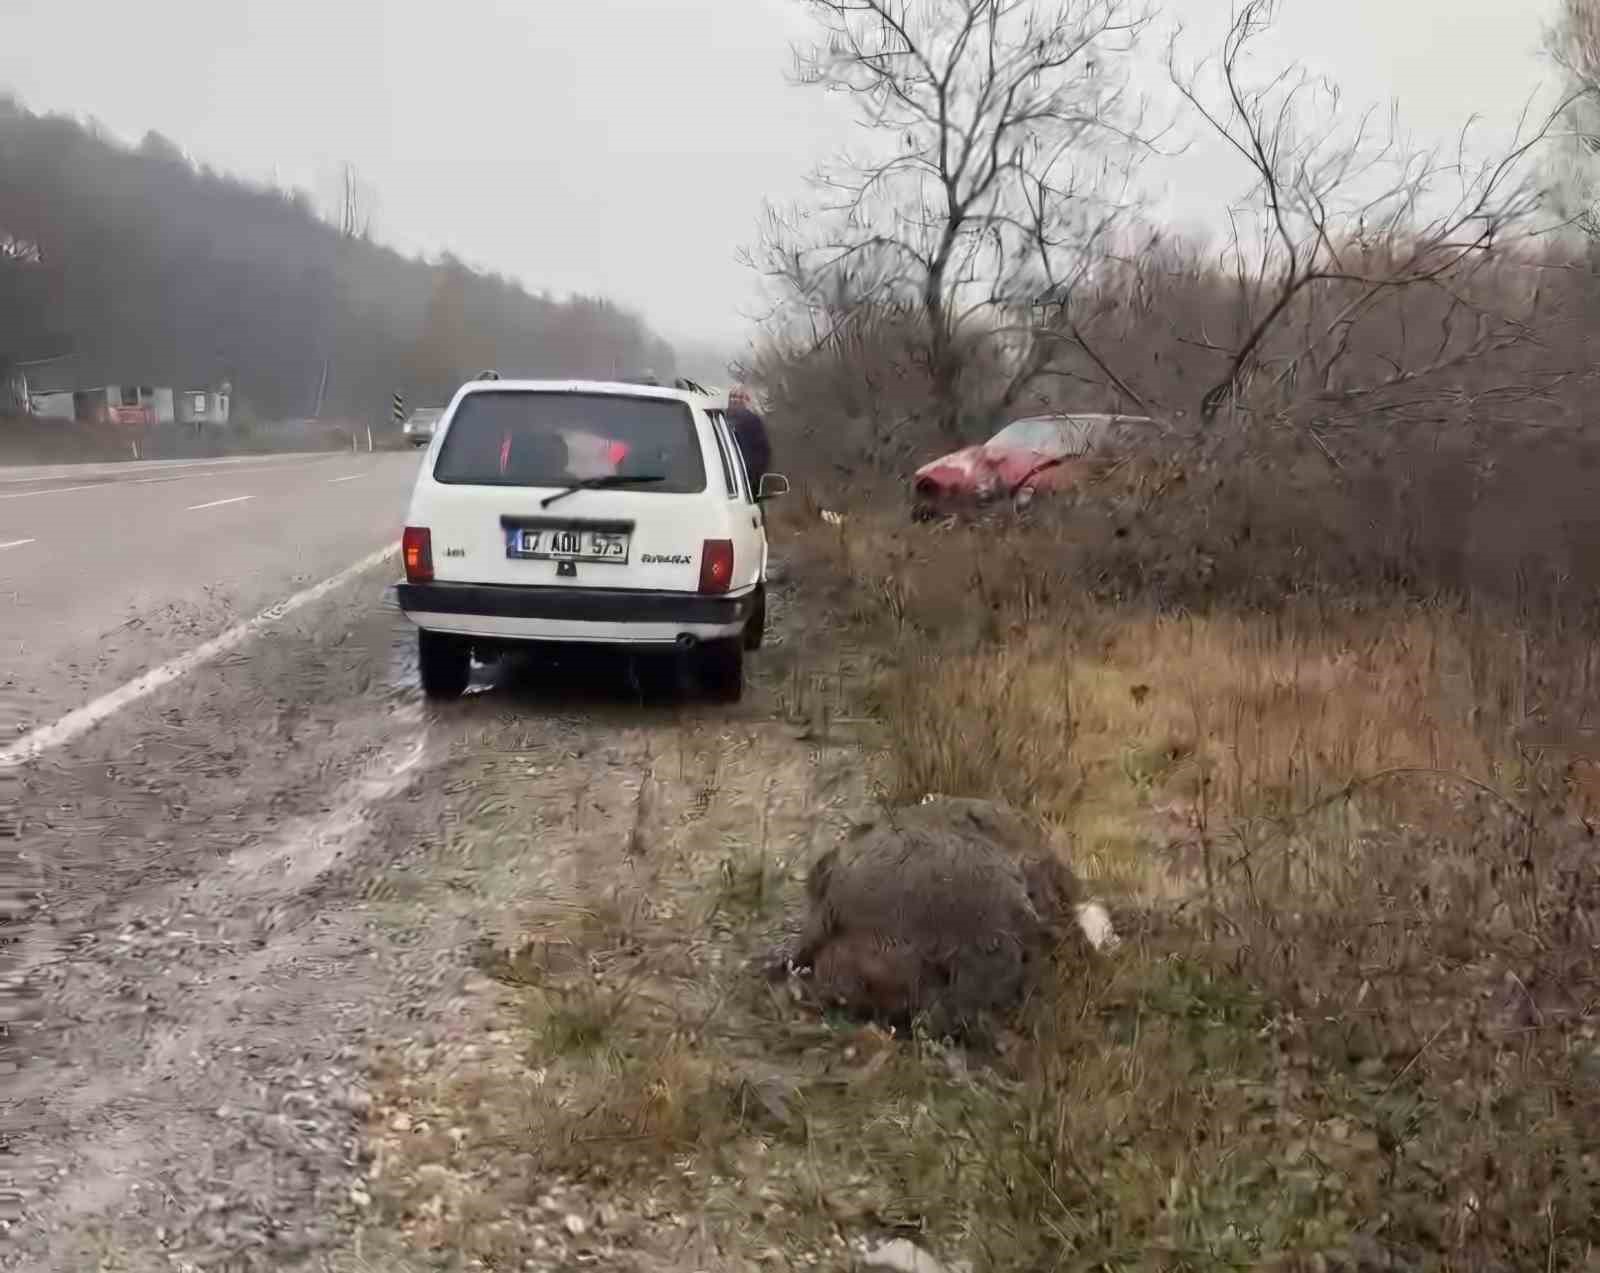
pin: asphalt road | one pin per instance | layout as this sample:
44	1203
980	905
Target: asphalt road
107	570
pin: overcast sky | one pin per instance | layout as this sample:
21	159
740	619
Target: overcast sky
620	147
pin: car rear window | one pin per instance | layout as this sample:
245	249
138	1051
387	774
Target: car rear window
1051	435
522	438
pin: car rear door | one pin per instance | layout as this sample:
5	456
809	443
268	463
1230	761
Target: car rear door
748	527
495	497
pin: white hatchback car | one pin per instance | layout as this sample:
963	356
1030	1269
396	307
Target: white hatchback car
585	512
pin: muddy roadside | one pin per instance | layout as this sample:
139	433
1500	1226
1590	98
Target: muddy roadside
262	887
199	976
604	1091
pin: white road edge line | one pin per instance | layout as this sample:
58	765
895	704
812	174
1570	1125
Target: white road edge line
105	468
109	481
17	543
79	722
354	477
60	490
218	503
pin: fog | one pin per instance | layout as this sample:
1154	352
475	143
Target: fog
145	270
620	147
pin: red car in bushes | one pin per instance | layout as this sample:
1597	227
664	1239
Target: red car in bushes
1031	456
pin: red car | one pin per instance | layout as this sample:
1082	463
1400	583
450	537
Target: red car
1039	453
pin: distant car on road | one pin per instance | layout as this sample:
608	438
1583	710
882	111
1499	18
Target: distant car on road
420	424
1031	456
585	512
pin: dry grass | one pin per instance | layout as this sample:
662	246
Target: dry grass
1223	725
1355	1020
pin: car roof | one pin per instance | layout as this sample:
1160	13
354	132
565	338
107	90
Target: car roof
615	388
1084	415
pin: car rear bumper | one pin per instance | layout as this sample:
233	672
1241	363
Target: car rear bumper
608	616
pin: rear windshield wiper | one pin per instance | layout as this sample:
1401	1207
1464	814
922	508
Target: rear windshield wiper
601	483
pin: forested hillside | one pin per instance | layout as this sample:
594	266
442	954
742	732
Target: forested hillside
149	269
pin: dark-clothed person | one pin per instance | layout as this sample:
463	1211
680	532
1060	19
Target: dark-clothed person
750	432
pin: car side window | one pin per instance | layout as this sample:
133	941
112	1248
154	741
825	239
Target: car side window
738	462
1073	438
728	452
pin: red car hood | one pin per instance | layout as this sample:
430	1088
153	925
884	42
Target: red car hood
981	470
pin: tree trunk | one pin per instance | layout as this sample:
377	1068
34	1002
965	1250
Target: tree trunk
944	362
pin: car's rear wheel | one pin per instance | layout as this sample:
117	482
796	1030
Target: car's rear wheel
722	670
445	663
755	631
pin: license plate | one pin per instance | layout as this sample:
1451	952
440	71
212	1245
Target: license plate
568	544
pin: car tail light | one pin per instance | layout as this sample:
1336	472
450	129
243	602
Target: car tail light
416	545
716	565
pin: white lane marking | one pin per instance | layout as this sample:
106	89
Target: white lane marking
58	472
108	484
218	503
60	490
17	543
112	482
76	723
354	477
190	477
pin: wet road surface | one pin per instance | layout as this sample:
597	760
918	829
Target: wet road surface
107	570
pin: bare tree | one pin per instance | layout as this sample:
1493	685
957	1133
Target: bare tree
1344	220
357	201
999	132
1572	42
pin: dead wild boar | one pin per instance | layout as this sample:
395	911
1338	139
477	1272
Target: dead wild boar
939	910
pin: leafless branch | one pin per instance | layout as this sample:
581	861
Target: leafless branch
1350	217
982	189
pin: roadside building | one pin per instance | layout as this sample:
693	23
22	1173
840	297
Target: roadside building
203	406
125	404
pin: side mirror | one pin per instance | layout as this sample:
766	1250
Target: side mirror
772	486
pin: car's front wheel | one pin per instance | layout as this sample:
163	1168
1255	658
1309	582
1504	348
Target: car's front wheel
445	663
722	670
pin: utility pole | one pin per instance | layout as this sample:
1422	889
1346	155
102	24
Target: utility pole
322	390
